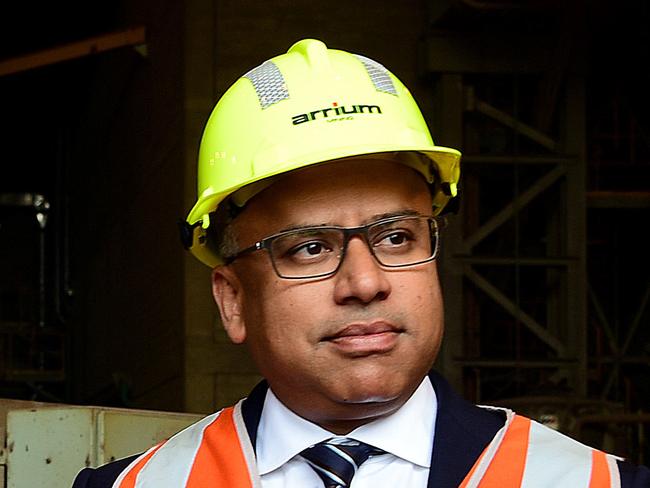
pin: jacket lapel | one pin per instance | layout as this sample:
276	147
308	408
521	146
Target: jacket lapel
251	410
462	432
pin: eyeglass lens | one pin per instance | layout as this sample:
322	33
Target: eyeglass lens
317	251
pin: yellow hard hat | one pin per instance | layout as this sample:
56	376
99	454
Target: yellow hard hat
309	106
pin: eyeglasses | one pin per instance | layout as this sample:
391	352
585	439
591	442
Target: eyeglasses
316	252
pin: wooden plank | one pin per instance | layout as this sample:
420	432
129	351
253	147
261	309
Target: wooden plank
87	47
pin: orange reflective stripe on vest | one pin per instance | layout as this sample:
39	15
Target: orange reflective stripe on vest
599	471
507	466
220	442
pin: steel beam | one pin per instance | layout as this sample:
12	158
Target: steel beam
468	52
449	98
618	199
517	159
509	363
514	261
573	117
482	107
509	210
535	327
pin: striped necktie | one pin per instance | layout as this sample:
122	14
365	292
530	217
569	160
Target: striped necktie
336	464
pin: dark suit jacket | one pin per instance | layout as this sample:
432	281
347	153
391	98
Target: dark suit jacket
462	432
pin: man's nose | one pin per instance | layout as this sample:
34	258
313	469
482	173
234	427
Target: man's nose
360	278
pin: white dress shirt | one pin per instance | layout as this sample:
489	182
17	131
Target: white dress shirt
406	435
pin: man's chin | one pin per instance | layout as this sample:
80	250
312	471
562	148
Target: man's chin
373	397
367	399
381	392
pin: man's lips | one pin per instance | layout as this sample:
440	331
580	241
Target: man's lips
362	329
365	338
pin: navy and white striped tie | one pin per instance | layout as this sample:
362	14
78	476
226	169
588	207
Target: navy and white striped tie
337	463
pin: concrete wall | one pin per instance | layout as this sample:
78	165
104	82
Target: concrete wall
125	196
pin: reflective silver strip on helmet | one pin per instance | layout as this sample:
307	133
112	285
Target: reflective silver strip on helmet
269	84
378	74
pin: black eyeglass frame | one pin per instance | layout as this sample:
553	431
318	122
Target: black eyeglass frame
435	224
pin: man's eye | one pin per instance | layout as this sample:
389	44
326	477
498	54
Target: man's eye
396	239
313	248
393	239
309	250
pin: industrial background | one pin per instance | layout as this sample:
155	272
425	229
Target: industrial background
545	268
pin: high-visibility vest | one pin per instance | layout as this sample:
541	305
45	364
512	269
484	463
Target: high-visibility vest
217	452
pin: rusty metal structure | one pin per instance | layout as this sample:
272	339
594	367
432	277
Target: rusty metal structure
524	262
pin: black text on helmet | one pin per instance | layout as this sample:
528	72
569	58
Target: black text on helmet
335	110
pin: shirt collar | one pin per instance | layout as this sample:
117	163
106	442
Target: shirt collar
407	433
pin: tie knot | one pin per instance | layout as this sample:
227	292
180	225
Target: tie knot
336	460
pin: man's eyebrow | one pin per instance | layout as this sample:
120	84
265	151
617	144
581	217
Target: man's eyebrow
407	212
387	215
303	227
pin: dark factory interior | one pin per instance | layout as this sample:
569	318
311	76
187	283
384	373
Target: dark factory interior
545	266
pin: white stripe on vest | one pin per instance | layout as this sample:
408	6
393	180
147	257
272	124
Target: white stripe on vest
555	460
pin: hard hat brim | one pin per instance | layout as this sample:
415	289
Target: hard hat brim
444	167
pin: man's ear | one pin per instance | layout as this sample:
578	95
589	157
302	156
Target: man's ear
228	294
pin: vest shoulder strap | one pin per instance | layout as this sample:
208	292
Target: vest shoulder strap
524	454
215	451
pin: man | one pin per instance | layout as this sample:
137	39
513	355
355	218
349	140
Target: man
319	188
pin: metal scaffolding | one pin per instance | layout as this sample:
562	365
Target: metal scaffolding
514	261
532	270
530	321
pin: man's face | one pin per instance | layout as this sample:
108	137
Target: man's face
342	350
